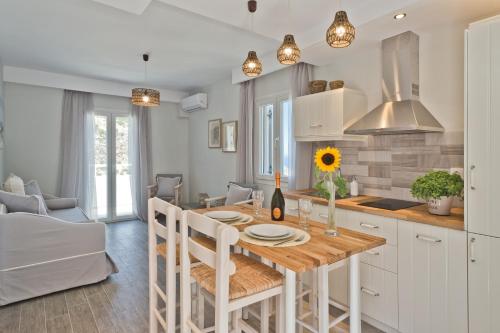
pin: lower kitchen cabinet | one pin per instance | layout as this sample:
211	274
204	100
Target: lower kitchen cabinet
432	279
484	284
379	295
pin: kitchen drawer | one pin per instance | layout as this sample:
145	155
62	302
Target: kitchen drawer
375	225
291	207
379	295
385	257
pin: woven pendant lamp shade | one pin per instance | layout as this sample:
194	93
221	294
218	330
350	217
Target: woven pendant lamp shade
341	33
145	97
252	66
289	52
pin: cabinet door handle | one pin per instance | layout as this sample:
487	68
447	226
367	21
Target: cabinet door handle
471	250
325	216
471	177
373	253
293	209
367	225
315	125
370	292
428	239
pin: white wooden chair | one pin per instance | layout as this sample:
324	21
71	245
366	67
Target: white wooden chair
169	249
235	281
168	234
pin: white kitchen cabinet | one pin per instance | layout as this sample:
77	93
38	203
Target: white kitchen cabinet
483	126
484	284
379	295
323	116
432	279
291	207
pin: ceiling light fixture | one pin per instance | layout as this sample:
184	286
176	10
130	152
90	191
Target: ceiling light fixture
289	52
252	67
341	33
145	96
399	16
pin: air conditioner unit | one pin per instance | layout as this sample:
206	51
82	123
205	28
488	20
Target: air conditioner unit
194	103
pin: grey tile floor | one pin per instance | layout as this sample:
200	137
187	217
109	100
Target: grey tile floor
116	305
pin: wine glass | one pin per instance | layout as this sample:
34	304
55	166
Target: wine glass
305	210
258	199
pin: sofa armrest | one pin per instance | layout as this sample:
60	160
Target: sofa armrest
152	190
61	203
3	209
47	196
29	239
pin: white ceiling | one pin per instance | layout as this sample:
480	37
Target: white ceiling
195	42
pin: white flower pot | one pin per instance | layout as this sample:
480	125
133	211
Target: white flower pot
441	206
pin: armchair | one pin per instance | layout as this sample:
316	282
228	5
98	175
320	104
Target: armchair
172	193
237	194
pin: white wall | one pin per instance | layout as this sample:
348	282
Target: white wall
2	117
33	127
212	169
441	73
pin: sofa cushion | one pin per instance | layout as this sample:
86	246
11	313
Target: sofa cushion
23	203
166	186
61	203
70	215
237	193
14	184
32	188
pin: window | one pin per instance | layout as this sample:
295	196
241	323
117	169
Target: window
275	130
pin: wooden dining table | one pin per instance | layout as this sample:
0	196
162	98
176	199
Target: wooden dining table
319	253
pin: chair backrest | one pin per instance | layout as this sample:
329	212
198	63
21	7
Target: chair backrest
169	175
168	235
224	235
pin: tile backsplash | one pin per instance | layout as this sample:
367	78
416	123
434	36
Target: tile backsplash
387	165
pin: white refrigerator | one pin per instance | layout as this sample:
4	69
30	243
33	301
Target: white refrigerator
482	191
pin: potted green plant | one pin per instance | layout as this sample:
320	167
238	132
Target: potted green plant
438	188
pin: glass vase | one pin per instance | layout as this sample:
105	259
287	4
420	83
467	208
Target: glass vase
331	227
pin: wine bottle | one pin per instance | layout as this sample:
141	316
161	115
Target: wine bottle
278	202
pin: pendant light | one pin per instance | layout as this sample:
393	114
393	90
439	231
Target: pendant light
252	67
289	52
145	96
341	33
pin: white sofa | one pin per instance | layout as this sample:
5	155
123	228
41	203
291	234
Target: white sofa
42	254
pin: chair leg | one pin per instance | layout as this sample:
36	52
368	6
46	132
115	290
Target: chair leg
300	301
236	321
313	298
280	314
264	316
201	307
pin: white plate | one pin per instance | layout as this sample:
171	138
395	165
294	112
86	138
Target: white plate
269	230
288	235
225	215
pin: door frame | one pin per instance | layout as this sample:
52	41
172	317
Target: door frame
111	115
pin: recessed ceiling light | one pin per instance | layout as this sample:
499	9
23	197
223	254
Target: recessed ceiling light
399	16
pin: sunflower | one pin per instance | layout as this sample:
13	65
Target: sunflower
327	159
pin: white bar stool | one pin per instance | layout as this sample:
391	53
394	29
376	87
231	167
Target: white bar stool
235	281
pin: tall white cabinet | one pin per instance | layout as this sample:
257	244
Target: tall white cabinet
483	181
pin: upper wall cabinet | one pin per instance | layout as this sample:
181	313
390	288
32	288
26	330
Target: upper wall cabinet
324	116
483	126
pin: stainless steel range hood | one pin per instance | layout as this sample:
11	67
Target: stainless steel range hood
401	111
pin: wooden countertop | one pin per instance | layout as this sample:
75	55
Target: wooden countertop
414	214
319	250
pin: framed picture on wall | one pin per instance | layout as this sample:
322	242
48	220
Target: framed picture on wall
214	133
229	136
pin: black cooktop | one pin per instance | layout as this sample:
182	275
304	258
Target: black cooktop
390	204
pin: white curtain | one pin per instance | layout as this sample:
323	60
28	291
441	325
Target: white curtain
245	151
140	159
77	162
300	152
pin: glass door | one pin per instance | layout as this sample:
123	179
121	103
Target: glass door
112	167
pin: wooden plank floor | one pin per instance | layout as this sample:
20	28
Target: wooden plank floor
117	305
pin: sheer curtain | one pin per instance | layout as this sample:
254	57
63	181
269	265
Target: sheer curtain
245	151
77	162
140	159
300	152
